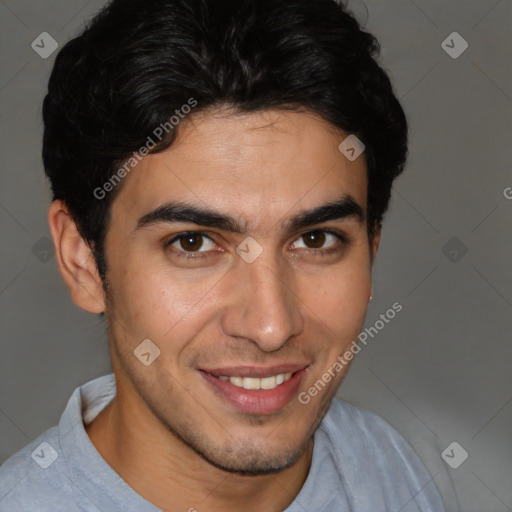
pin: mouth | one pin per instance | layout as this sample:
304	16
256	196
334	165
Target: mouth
254	390
255	383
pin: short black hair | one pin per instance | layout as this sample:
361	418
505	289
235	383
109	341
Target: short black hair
138	61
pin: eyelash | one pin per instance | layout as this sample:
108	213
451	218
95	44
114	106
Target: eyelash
189	255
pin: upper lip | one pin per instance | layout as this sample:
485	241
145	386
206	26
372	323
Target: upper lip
255	371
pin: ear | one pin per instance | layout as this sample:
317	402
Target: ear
75	259
375	242
374	247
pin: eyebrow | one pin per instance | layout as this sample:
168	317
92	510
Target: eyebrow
344	208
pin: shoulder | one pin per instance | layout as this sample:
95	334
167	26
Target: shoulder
362	422
34	478
368	452
41	476
359	431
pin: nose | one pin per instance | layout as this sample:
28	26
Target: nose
263	306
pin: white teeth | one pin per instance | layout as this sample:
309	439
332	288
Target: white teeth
251	383
255	383
237	381
268	383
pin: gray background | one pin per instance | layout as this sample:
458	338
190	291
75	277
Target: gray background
441	370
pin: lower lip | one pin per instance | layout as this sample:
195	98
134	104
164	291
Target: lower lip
257	401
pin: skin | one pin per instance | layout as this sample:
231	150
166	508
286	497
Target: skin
167	433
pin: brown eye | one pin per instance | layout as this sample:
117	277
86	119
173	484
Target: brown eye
191	241
315	239
186	244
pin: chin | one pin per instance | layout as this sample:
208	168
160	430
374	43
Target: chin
248	458
255	463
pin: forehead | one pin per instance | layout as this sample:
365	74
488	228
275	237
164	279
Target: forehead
257	166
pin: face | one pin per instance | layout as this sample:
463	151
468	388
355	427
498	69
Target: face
211	255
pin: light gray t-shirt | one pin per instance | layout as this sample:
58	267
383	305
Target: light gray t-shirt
360	464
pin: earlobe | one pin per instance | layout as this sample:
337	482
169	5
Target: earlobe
75	259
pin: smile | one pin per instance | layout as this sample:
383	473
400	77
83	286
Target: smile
256	390
255	383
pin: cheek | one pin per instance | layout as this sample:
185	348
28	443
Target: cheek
158	303
341	298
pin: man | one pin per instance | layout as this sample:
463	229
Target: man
220	172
